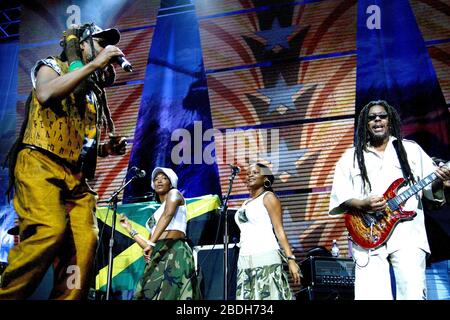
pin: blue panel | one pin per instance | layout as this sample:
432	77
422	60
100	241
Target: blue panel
394	65
175	95
9	53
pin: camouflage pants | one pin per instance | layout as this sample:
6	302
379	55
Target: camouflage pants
262	277
170	274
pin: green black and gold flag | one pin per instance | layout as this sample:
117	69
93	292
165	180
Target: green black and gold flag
128	262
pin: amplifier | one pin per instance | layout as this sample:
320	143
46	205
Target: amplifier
328	271
326	293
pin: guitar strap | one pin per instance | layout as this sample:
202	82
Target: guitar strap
402	165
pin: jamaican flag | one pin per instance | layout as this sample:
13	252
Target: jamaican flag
128	262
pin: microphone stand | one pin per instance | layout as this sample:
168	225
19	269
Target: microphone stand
114	199
224	213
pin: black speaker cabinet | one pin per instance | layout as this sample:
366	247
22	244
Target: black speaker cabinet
326	293
327	278
210	268
328	271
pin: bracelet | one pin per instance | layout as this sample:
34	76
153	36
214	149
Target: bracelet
74	65
133	233
291	257
151	244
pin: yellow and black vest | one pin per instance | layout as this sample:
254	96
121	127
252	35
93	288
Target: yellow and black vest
67	130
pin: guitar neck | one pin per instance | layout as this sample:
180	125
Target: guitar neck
402	197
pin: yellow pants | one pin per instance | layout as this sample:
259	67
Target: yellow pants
57	226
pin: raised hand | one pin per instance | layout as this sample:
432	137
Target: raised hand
104	56
124	222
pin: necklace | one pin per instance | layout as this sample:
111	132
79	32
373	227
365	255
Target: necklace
253	198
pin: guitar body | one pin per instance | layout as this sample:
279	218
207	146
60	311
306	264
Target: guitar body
372	230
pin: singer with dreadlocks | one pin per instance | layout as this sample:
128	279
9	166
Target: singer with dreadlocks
362	176
54	155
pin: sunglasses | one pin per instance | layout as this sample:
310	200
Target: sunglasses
373	116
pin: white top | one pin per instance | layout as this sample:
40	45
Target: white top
257	234
382	170
49	62
178	222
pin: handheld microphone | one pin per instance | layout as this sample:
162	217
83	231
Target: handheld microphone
124	63
138	172
234	168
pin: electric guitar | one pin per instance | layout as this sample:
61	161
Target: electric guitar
372	230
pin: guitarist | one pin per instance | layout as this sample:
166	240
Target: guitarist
362	175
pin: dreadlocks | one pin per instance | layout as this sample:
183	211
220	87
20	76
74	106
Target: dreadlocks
96	82
363	137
